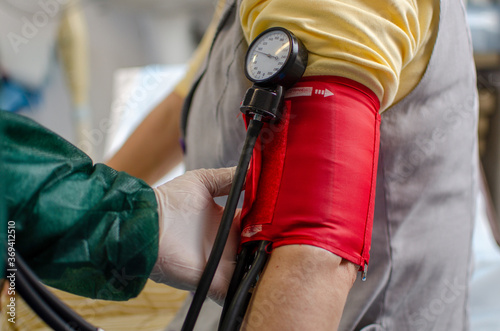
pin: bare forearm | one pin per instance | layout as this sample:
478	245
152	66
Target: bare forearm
302	288
153	149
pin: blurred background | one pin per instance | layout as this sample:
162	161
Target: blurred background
60	57
91	69
484	20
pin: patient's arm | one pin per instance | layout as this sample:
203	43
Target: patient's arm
153	149
303	288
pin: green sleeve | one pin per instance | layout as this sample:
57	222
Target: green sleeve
83	228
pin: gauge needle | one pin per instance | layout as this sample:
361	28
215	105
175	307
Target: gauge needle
268	55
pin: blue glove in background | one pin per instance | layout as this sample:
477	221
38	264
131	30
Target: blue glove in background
14	97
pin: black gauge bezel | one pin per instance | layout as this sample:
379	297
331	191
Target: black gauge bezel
294	66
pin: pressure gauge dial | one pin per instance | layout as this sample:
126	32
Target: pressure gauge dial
275	57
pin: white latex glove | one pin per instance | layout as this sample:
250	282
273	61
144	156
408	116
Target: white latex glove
189	219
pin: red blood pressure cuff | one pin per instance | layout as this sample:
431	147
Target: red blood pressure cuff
312	176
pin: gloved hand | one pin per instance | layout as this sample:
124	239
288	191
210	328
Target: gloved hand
189	219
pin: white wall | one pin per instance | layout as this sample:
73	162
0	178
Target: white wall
121	34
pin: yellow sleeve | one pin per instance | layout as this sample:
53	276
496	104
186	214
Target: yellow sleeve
384	45
182	88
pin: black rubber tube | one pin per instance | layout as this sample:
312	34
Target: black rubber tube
237	308
38	305
253	131
239	272
50	309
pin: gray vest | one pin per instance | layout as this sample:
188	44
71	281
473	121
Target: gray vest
426	184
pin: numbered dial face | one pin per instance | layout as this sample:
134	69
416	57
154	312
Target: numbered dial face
268	55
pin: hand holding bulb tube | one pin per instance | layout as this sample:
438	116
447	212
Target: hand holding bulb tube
188	222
